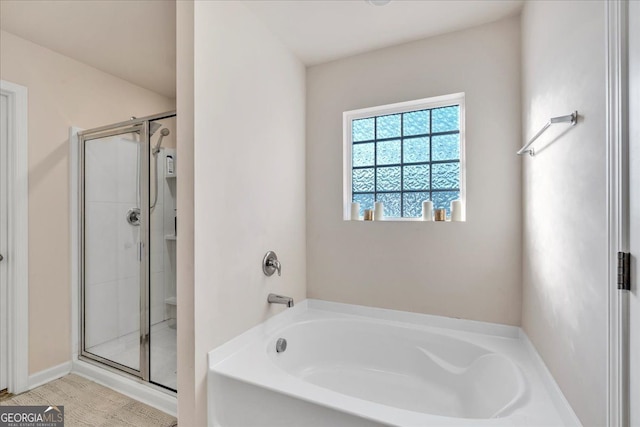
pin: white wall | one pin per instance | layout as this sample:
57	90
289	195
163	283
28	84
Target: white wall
565	282
471	269
62	93
249	176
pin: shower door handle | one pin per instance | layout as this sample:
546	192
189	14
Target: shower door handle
1	257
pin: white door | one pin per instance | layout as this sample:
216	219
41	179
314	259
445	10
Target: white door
634	190
4	332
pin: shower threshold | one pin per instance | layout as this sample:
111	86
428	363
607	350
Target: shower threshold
125	350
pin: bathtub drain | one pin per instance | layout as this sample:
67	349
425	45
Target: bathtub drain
281	345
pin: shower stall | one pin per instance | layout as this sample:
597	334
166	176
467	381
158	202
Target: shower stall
127	247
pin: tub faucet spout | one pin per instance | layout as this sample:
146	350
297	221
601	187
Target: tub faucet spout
280	299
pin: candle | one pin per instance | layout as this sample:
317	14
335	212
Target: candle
355	211
378	213
427	210
441	215
368	214
456	210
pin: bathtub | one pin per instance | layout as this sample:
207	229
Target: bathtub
348	365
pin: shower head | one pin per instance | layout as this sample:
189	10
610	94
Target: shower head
164	132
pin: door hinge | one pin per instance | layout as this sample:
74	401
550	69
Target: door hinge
624	271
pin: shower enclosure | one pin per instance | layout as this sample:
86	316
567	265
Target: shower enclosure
127	233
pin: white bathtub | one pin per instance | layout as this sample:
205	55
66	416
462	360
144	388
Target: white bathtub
356	366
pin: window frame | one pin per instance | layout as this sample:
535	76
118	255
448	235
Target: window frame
397	108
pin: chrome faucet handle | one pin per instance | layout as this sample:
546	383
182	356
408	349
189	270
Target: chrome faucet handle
270	264
276	264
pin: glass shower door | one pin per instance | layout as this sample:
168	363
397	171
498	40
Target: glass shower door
114	266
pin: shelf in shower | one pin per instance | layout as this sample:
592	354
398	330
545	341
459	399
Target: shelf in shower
171	301
170	176
170	237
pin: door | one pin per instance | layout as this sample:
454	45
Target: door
634	223
4	228
114	191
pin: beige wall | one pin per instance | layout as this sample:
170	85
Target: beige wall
186	325
248	174
470	270
62	93
565	244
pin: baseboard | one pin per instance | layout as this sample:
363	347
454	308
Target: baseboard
48	375
561	403
138	390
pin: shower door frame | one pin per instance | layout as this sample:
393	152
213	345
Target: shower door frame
618	219
17	260
135	125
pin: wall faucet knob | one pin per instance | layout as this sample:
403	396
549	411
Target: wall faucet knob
276	264
270	264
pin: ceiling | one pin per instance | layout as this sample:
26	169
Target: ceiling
136	39
324	30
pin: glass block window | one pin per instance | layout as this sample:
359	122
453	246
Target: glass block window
407	156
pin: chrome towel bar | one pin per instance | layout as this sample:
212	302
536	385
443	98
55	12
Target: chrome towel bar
571	118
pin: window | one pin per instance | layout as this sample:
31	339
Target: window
404	154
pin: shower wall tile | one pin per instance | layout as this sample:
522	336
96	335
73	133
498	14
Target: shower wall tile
101	313
157	257
101	242
157	216
157	297
101	160
127	244
128	306
157	241
125	171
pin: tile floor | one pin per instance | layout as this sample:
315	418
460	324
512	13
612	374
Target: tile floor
87	404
